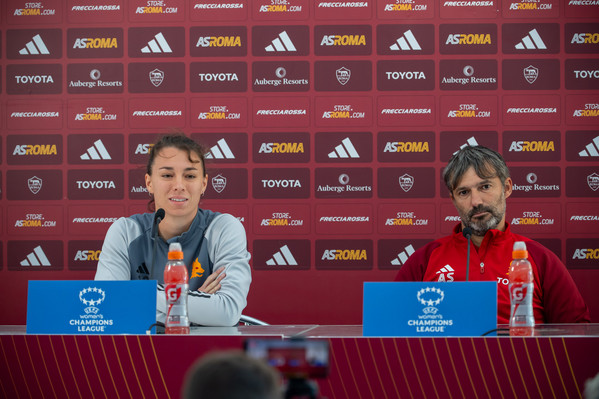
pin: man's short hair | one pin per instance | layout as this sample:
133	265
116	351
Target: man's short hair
486	162
231	375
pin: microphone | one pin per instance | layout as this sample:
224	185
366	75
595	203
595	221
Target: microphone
467	232
158	216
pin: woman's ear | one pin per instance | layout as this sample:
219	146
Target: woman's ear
149	183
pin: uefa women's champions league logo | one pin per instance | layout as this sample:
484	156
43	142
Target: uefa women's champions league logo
430	297
90	298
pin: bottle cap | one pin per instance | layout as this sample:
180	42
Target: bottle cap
175	251
520	251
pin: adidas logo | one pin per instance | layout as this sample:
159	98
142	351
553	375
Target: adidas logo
406	42
34	47
591	149
96	152
142	271
446	273
470	142
281	43
157	45
36	258
220	151
344	150
403	256
532	41
283	257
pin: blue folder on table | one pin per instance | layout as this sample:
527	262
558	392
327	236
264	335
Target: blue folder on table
90	307
429	308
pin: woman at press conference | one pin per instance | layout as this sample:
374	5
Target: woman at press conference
214	244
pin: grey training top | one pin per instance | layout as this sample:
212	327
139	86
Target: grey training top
213	240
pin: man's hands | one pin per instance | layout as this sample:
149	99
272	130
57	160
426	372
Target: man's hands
212	283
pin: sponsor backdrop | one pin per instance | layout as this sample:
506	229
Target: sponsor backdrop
327	123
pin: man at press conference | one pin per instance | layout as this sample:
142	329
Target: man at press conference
479	184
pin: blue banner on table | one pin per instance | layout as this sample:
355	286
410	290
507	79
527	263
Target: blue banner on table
91	307
408	309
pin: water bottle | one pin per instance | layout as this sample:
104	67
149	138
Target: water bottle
176	283
521	287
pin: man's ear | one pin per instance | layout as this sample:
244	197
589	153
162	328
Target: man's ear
508	187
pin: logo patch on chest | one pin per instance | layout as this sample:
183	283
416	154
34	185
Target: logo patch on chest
445	273
196	269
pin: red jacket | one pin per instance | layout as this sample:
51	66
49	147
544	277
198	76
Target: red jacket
556	298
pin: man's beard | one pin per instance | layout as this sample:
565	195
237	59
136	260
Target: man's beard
480	227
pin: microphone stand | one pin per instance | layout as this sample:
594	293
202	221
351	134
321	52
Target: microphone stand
157	219
467	232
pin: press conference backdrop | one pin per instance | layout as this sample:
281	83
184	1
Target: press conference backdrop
327	123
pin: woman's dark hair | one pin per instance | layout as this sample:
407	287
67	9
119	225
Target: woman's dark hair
181	142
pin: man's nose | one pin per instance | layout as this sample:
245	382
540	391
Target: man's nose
475	198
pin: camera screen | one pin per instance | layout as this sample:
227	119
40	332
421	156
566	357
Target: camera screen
293	358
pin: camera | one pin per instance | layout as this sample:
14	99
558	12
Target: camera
297	360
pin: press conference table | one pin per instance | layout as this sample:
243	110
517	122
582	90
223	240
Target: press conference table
555	363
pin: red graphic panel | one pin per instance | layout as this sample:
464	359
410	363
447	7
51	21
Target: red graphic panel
34	114
156	11
321	121
96	10
287	254
25	149
281	111
280	219
288	10
332	10
219	112
582	109
582	218
341	220
218	10
39	220
408	219
344	254
469	9
530	219
95	43
415	9
218	41
156	113
343	111
406	110
35	256
97	113
468	110
23	12
84	254
531	110
525	9
92	220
